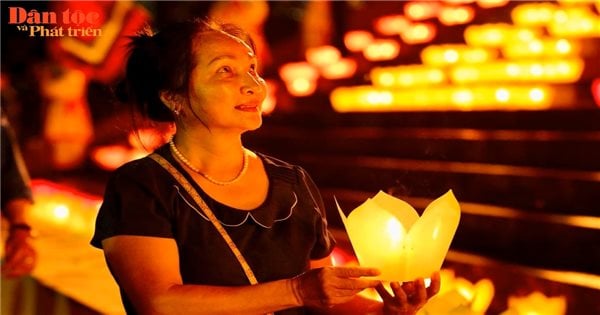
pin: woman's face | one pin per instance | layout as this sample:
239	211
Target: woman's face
225	91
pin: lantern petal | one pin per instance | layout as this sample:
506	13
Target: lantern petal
405	213
433	233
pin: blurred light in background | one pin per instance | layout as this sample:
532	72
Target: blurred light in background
407	76
547	47
391	24
486	4
498	34
357	41
300	78
421	10
382	49
456	15
64	208
322	55
341	69
534	14
550	71
448	54
536	303
445	97
596	91
268	105
419	33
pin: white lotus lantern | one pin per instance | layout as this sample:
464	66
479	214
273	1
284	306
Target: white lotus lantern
387	233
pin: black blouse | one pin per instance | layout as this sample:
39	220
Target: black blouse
277	239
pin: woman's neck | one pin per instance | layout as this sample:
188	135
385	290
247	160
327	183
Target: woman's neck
217	155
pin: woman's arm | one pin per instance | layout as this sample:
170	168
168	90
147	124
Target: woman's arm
147	268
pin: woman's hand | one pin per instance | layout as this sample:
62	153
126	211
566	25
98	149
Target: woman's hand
329	286
409	297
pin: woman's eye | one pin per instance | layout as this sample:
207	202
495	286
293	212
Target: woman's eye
225	69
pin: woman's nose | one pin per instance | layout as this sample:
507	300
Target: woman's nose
252	84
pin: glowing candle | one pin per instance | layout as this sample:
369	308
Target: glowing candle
391	24
387	233
343	68
456	15
537	304
421	10
382	49
300	78
491	3
357	41
419	33
322	55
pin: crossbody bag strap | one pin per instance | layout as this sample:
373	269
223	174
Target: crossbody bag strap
211	216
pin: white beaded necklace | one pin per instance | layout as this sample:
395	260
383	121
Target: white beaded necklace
208	178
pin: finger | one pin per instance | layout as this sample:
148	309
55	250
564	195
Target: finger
354	272
385	295
421	293
399	293
409	288
434	286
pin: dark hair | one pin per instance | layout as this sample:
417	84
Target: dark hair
163	62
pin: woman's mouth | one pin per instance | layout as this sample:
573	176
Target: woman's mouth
248	107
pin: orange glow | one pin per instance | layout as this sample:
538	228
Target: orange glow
548	47
491	3
498	34
442	97
551	71
406	76
112	156
343	68
148	138
63	207
459	292
448	54
61	213
421	10
382	49
533	14
391	24
322	55
300	78
579	22
537	304
456	15
387	233
357	41
419	33
458	1
268	105
596	91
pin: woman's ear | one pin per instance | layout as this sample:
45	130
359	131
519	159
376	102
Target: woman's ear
172	100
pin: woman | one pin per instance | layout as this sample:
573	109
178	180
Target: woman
167	252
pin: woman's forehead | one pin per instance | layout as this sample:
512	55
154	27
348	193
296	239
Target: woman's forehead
214	44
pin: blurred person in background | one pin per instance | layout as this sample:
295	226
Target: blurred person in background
19	255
